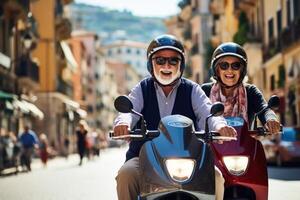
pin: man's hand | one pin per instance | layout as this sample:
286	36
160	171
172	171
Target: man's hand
273	126
121	129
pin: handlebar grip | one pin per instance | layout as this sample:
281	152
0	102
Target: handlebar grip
152	133
226	138
133	135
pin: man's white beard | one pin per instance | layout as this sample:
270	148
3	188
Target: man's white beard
167	81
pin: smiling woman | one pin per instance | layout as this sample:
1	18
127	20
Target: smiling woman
145	8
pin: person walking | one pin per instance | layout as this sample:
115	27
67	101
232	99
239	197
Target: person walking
29	142
44	149
81	134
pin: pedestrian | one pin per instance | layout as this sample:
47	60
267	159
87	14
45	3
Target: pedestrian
29	142
66	146
81	134
166	92
44	149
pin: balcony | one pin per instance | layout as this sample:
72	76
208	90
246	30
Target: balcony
271	49
64	88
28	69
290	35
195	49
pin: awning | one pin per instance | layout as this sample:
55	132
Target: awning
7	96
21	106
69	55
5	60
34	109
71	105
27	107
82	113
9	105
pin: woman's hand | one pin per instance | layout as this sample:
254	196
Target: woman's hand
273	126
227	131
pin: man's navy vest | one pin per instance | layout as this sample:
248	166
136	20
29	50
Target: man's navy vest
182	106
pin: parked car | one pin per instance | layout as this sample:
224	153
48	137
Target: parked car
283	148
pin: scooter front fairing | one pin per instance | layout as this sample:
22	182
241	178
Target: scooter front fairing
160	161
243	163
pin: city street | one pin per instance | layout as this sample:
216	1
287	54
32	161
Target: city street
64	179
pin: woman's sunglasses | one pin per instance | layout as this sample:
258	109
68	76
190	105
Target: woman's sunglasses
162	60
225	65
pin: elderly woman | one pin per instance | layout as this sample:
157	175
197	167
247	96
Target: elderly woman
229	68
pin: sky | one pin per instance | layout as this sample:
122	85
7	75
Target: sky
146	8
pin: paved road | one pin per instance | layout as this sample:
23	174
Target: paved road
94	180
64	179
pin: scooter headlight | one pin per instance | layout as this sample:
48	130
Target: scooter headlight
236	165
180	170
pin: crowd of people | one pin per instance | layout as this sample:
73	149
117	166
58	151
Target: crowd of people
17	151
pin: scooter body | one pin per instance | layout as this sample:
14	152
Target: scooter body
176	162
177	141
245	173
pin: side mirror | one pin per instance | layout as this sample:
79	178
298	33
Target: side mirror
217	109
123	104
274	102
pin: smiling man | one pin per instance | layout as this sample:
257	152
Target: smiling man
164	93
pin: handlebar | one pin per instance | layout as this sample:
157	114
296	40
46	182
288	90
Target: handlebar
136	135
150	134
213	136
261	131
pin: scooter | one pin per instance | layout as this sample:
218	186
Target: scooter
177	162
243	162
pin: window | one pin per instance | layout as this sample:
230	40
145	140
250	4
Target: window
109	52
281	72
96	76
271	28
90	108
288	10
264	78
138	52
279	22
128	51
296	5
272	82
119	51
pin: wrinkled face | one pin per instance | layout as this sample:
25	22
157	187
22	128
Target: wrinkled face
229	70
166	66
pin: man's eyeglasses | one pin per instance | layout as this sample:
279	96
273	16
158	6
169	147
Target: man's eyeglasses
162	60
225	65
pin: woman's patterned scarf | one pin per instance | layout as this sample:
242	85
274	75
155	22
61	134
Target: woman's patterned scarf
235	105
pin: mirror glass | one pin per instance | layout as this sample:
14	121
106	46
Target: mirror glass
217	109
123	104
274	102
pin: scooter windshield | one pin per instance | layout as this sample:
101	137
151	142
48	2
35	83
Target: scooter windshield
235	121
